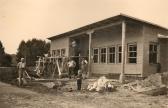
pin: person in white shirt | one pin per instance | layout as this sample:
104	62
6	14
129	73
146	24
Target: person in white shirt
21	68
71	66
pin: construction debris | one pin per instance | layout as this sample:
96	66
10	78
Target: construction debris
152	85
102	84
53	85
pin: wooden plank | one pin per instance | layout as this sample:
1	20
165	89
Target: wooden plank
97	28
90	48
123	52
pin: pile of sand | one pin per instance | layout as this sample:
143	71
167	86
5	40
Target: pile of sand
154	84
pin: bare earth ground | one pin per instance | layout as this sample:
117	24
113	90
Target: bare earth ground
36	96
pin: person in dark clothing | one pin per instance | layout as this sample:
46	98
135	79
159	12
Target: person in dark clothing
79	80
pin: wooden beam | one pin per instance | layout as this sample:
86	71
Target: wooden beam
109	25
90	51
97	28
162	36
123	52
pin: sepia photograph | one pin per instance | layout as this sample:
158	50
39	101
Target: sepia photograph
83	53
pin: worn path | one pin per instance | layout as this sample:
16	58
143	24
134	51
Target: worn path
14	97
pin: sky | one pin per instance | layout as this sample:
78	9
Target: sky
27	19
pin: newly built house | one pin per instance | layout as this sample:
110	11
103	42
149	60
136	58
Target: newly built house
120	44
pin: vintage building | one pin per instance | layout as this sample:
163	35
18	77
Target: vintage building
120	44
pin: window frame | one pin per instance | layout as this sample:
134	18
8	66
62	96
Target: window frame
111	53
62	55
96	54
117	56
58	54
153	52
103	54
128	52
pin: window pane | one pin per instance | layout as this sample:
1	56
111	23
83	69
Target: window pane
95	59
103	55
95	55
132	53
58	52
62	52
155	48
95	51
153	53
119	49
119	59
111	57
150	47
132	60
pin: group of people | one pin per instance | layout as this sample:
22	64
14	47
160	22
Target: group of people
75	69
81	71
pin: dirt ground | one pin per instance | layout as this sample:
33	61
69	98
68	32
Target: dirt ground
38	96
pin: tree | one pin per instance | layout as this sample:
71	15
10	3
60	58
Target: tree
21	50
31	49
5	59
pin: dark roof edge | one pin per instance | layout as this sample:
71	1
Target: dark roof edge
121	14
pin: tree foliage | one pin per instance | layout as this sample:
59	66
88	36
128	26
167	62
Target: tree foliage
5	59
31	49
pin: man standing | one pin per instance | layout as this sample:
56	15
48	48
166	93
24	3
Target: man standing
21	69
71	66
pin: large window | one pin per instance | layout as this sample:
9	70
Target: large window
95	55
119	57
103	55
58	53
132	53
153	53
111	54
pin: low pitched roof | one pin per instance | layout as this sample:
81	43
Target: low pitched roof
104	22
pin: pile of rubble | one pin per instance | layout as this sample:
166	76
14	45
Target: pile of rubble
155	84
100	85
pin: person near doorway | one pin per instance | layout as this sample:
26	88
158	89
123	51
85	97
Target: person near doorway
71	66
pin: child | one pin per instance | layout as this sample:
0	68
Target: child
79	80
84	67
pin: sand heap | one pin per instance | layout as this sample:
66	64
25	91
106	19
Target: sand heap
155	84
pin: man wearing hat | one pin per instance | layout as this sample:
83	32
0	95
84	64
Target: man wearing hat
21	68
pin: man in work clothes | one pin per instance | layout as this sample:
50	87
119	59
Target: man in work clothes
71	66
21	69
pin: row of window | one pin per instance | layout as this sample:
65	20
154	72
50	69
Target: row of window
58	52
113	54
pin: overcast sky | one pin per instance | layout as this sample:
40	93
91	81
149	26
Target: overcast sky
27	19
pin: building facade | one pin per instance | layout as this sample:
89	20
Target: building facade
117	45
